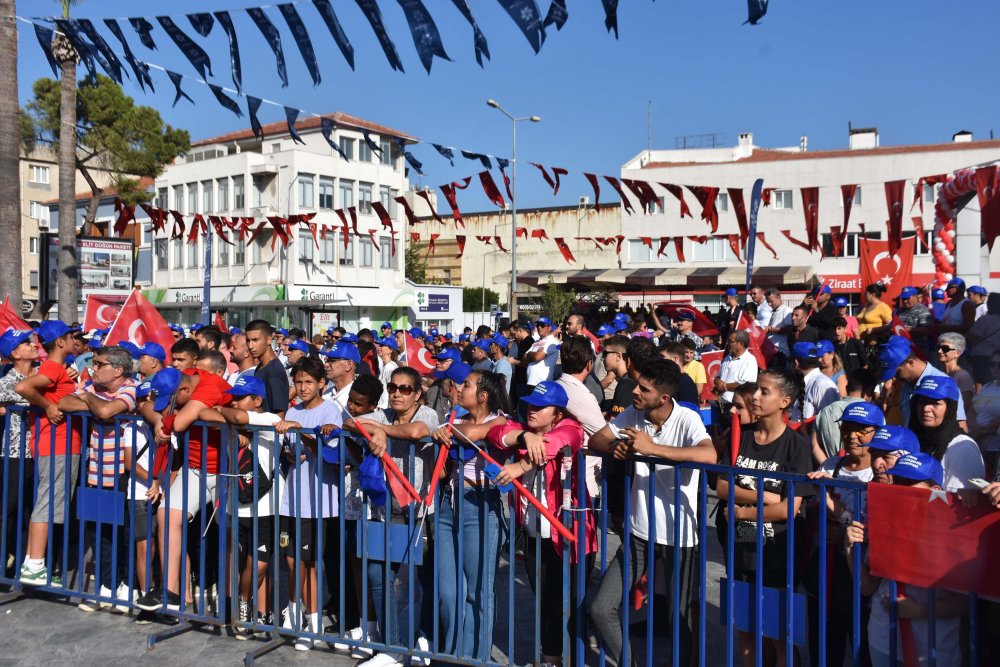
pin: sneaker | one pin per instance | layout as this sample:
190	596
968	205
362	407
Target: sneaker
124	601
35	577
240	630
287	620
173	601
152	600
357	652
423	646
94	605
384	660
145	617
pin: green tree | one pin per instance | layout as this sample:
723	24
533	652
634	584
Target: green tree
415	265
557	301
477	299
10	151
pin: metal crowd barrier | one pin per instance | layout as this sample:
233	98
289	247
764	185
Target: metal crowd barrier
777	612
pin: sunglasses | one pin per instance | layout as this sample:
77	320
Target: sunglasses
403	389
944	348
100	364
605	353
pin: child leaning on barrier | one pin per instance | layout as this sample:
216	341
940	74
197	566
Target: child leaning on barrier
56	447
311	477
254	461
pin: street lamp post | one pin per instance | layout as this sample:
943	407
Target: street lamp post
513	202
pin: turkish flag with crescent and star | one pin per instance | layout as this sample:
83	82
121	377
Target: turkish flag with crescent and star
761	348
712	361
140	322
878	265
417	356
101	311
702	325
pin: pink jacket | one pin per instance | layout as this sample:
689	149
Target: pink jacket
567	433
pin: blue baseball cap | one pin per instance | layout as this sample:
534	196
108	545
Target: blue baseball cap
196	326
937	387
622	317
11	339
416	332
463	338
543	321
918	467
96	339
978	289
682	315
500	340
864	413
176	327
433	333
603	330
300	345
283	332
456	372
448	336
386	325
804	350
891	438
163	385
235	330
248	385
956	282
388	341
134	350
821	289
908	292
824	347
893	353
937	294
546	394
49	330
449	353
840	301
483	344
342	350
349	337
732	291
155	350
142	391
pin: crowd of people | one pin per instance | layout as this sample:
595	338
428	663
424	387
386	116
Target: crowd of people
907	396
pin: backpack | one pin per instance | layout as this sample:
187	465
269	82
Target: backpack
246	468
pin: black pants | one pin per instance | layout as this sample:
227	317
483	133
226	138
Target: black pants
547	583
18	494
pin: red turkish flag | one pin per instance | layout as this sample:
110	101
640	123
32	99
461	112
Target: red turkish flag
894	202
139	322
417	356
11	319
878	264
761	348
220	322
988	191
898	328
712	361
101	311
940	544
702	325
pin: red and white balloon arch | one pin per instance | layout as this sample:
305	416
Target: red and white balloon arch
945	210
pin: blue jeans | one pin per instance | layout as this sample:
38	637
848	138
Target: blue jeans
466	602
397	630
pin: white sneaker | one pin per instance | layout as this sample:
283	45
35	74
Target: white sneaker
423	646
94	605
384	660
124	600
358	635
303	644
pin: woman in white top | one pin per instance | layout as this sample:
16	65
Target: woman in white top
934	420
388	353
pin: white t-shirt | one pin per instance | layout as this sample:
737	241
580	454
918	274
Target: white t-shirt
265	460
586	410
764	311
684	428
820	391
340	398
946	630
846	496
302	485
134	435
543	369
782	317
739	369
961	462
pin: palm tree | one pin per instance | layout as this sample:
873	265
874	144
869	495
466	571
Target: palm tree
10	152
69	277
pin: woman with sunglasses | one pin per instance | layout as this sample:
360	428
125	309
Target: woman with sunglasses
950	347
470	505
551	429
934	420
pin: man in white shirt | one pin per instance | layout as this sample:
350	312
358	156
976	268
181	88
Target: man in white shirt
780	324
342	361
820	390
654	426
738	367
542	355
763	307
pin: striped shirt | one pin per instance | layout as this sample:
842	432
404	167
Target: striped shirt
106	451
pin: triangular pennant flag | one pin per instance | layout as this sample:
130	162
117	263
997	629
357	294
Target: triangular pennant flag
502	166
557	15
202	23
273	38
141	70
226	22
611	16
763	242
446	152
408	156
426	196
810	210
679	247
194	53
44	36
143	28
426	37
564	249
479	39
847	194
329	17
374	15
382	214
176	78
460	240
301	36
253	104
481	157
225	100
739	207
802	244
327	126
706	196
346	233
894	202
988	192
527	17
491	189
410	216
290	116
626	204
539	234
594	183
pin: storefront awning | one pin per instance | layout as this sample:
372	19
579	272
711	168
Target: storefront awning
682	277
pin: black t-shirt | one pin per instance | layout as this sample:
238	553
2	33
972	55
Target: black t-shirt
686	390
852	353
520	376
822	321
275	381
622	398
807	335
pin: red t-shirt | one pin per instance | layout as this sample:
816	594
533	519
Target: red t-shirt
60	387
211	391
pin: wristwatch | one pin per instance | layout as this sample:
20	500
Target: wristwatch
521	442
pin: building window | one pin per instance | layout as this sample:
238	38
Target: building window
192	189
930	193
38	174
365	252
305	189
306	249
239	194
223	252
178	253
781	199
713	250
857	198
639	252
924	249
386	158
347	254
179	198
364	152
207	206
160	247
39	212
33	245
385	257
239	252
276	148
850	248
721	202
655	208
222	185
346	193
161	198
326	249
192	255
325	192
347	147
33	279
365	197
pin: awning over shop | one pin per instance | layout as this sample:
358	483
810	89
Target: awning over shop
678	278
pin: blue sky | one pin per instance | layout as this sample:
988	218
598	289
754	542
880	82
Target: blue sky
919	71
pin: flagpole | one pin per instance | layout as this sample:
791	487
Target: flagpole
755	197
206	291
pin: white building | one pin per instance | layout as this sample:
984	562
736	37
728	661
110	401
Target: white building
313	282
712	266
